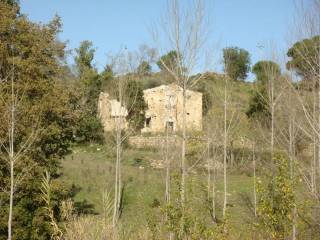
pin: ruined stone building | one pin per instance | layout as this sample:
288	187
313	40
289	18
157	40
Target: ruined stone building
111	113
165	109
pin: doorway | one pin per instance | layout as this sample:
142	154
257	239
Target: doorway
169	126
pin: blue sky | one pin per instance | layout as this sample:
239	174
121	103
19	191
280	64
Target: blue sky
112	24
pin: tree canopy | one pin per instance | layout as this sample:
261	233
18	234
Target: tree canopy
32	56
87	89
263	69
305	57
137	106
144	68
258	107
236	62
168	61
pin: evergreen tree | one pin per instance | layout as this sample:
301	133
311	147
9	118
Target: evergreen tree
262	70
236	62
258	106
136	114
169	61
144	68
88	88
305	57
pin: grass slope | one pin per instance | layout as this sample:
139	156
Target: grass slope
91	168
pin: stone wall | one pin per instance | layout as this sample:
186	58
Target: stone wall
111	113
152	141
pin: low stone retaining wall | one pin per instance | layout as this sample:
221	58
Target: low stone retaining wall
152	141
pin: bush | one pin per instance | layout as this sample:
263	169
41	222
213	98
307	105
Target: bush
276	201
89	130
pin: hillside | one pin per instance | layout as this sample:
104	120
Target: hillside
103	136
92	168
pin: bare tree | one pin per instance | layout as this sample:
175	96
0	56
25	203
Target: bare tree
120	136
223	125
209	167
167	155
213	165
254	180
123	99
183	31
271	99
306	25
225	142
230	123
288	137
214	177
120	67
11	98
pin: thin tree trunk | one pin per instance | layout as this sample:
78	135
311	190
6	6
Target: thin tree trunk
118	127
119	175
272	134
317	168
231	154
11	157
167	194
208	167
318	76
314	160
183	156
183	150
168	165
214	189
168	170
272	111
291	151
225	152
254	181
272	123
313	171
291	158
254	187
115	190
117	184
11	199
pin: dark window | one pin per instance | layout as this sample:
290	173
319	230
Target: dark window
148	120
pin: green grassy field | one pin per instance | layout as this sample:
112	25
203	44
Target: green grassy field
91	169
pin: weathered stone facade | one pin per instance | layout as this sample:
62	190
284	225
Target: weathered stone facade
111	113
165	109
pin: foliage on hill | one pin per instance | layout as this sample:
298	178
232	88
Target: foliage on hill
33	59
259	107
276	201
305	57
136	114
236	62
87	87
54	107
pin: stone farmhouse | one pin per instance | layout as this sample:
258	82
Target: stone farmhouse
164	110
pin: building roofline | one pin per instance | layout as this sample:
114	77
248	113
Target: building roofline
163	86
